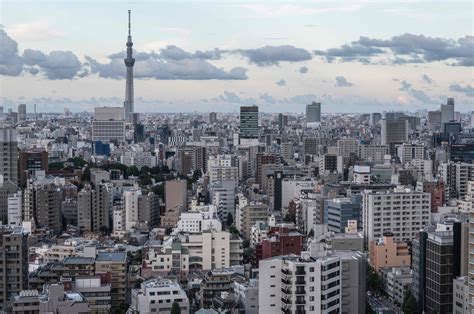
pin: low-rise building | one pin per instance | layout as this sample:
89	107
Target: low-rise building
386	252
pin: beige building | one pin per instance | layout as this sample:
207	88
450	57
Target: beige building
386	252
176	198
248	214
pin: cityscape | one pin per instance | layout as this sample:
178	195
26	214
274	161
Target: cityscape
264	179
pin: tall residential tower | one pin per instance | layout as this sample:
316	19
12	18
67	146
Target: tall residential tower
129	62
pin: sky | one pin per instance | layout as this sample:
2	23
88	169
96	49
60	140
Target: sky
352	56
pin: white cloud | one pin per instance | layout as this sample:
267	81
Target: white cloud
35	31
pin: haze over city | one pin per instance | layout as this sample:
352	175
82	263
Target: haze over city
202	56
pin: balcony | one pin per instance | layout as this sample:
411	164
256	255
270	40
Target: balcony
300	273
300	302
286	290
285	271
300	291
300	281
286	281
286	301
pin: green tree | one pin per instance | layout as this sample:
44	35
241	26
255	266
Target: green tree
230	219
133	171
86	175
79	162
374	282
56	165
144	170
175	308
105	230
410	305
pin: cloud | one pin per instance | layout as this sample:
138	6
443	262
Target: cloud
416	94
36	31
173	65
467	90
405	48
284	10
11	63
425	78
341	81
56	65
303	70
272	55
281	83
233	98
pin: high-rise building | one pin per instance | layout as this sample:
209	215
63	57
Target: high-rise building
471	259
114	263
313	114
93	208
401	213
294	284
447	111
375	118
42	204
176	198
394	131
408	152
282	121
249	122
9	155
212	117
128	104
31	161
338	211
14	209
13	263
108	124
21	113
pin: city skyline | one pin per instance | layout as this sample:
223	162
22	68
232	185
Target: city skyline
297	53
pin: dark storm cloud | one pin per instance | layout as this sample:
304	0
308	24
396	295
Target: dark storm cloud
273	55
467	90
11	63
56	65
341	81
405	48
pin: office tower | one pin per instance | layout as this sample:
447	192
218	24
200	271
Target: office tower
108	124
447	111
42	204
347	147
32	160
313	114
1	111
375	118
129	62
223	173
472	120
338	211
21	113
9	155
330	163
158	295
434	119
300	284
93	208
401	213
418	263
282	121
14	209
13	263
408	152
264	159
176	198
394	131
249	122
311	145
212	117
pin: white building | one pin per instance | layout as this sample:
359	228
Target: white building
401	212
461	295
199	251
408	152
199	219
223	173
373	152
158	295
108	124
222	194
300	284
246	292
130	199
361	174
14	209
398	281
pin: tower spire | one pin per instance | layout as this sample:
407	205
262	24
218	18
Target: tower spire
129	26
